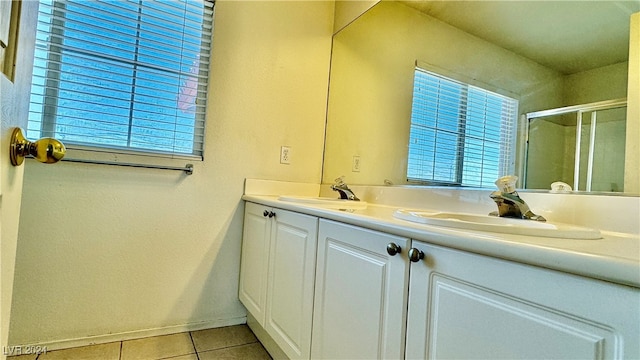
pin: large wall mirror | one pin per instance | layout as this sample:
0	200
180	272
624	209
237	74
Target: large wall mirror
545	54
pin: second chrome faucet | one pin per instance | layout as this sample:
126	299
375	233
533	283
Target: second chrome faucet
509	202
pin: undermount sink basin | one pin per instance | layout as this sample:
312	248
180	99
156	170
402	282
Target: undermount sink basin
329	203
498	224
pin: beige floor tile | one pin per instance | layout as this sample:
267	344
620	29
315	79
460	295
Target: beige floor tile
109	351
158	347
253	351
218	338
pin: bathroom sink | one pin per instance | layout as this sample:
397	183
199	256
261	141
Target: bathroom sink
498	224
325	202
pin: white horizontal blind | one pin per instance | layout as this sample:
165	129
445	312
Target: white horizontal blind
122	75
460	134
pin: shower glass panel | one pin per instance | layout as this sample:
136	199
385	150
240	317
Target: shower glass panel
582	146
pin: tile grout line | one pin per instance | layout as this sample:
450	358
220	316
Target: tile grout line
229	347
194	345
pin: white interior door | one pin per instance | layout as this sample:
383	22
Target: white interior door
17	37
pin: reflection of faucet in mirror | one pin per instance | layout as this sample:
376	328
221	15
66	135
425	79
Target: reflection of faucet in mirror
341	187
509	202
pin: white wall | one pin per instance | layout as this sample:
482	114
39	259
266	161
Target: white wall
129	252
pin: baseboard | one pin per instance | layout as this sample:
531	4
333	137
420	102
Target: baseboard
137	334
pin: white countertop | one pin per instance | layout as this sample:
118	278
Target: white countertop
614	258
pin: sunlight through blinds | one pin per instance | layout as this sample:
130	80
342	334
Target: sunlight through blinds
122	75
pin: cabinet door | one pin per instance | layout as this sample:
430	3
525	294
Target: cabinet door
463	305
292	262
254	260
360	296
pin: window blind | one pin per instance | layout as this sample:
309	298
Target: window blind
122	75
460	134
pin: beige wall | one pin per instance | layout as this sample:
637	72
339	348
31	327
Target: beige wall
112	250
604	83
347	11
632	155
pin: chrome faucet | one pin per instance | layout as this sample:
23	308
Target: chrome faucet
509	202
341	187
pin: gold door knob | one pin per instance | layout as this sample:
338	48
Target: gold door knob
45	150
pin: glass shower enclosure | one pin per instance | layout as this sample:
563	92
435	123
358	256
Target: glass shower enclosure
581	145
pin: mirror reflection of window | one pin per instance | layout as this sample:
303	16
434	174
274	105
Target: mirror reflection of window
460	134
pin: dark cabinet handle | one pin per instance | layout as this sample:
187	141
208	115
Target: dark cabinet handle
272	214
393	249
415	255
265	213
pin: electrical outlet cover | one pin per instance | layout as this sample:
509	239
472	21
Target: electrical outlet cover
355	165
285	155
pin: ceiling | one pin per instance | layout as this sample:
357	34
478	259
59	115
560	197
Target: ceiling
568	36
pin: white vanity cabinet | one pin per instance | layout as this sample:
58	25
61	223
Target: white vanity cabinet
361	294
277	274
463	305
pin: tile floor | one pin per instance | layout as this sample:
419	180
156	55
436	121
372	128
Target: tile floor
232	342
